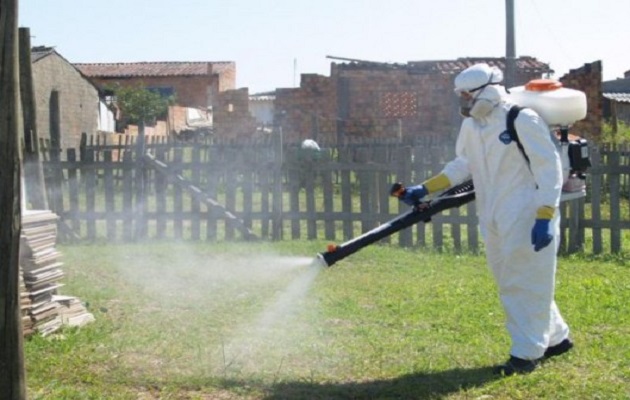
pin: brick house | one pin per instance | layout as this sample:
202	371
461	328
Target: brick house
206	86
194	84
63	93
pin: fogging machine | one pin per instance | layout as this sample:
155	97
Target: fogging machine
422	211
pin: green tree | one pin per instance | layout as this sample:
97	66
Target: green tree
139	104
620	136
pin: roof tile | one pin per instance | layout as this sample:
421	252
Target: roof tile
523	63
139	69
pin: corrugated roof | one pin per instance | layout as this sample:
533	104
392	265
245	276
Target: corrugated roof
263	96
618	97
621	85
138	69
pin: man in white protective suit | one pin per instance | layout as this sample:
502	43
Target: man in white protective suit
517	204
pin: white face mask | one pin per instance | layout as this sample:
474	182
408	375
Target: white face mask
481	108
481	103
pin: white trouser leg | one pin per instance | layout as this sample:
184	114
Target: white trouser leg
526	282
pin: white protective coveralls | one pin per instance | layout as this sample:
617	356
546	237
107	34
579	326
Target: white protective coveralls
508	193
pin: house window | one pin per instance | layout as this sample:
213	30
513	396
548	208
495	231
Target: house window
164	92
399	104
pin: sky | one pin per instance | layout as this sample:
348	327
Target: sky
273	42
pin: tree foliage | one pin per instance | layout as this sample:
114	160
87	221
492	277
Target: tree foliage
139	104
621	136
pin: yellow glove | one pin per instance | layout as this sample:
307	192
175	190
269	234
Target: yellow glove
437	183
545	212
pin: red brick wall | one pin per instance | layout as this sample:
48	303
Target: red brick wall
231	115
382	103
588	79
373	102
312	106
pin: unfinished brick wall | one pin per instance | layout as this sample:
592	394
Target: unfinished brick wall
588	79
308	112
231	115
372	101
366	104
397	104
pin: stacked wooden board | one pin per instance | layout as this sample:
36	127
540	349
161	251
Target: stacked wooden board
43	311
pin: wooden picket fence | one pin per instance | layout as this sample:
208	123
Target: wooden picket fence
158	188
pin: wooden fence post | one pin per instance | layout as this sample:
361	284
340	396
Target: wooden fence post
55	175
215	157
248	185
614	178
73	190
327	187
276	224
127	186
108	186
403	175
161	185
195	204
139	214
12	376
88	176
178	201
33	171
596	201
345	156
231	183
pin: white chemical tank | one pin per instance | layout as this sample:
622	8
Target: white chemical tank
557	105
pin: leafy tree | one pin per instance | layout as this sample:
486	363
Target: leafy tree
622	136
139	104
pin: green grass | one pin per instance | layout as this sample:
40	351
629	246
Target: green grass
226	321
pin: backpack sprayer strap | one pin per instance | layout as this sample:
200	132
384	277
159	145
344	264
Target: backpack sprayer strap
512	114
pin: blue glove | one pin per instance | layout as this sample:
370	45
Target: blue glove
541	234
413	195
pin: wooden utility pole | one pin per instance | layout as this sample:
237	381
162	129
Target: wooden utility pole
510	47
33	171
12	376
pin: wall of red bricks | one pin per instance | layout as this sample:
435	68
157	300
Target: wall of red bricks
371	102
231	115
588	79
308	111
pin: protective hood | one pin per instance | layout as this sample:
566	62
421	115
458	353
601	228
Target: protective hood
477	77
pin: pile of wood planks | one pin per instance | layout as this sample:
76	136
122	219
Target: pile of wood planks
44	311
